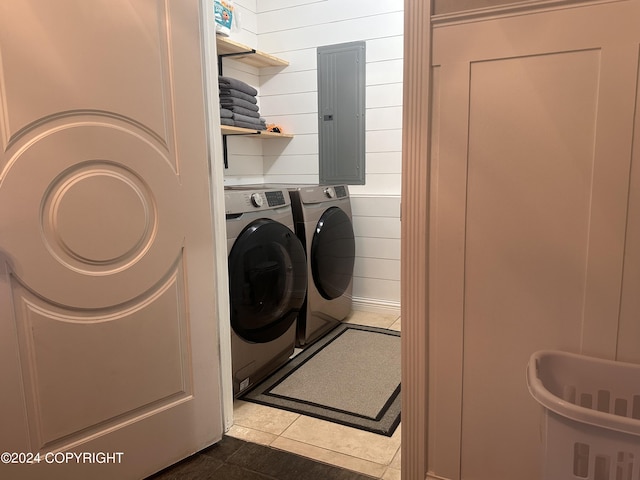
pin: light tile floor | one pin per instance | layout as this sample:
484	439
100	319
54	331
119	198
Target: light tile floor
346	447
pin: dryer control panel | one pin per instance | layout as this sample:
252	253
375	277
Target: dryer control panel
341	191
329	192
322	193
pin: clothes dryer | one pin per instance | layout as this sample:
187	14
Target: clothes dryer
267	282
323	222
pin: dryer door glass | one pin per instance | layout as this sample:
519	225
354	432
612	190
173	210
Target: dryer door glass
333	253
267	281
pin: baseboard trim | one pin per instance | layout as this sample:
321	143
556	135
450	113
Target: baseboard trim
375	306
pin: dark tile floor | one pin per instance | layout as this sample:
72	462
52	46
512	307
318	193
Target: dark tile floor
234	459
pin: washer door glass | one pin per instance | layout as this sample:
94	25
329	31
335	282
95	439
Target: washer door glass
333	253
267	281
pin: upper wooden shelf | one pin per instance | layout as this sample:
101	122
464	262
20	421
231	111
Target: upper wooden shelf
246	54
229	130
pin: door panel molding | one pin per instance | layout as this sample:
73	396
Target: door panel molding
90	77
71	212
61	378
87	116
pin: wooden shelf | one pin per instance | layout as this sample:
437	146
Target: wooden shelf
229	130
248	55
227	48
267	134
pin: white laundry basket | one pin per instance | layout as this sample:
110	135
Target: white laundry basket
591	416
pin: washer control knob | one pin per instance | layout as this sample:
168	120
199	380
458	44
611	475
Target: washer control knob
257	200
330	192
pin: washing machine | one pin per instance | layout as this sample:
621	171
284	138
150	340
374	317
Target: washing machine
323	222
267	282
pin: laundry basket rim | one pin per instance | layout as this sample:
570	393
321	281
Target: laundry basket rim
578	413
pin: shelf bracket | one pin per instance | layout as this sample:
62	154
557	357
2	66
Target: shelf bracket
224	137
250	51
224	151
225	155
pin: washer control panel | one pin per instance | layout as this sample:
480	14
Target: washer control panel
257	200
275	198
269	199
266	199
239	201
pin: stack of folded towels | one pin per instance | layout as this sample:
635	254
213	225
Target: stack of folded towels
238	104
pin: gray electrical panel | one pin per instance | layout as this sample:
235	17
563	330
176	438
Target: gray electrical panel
341	113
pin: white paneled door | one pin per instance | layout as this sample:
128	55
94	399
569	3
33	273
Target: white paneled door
108	335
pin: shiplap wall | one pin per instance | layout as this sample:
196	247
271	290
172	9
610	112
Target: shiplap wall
376	224
293	30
